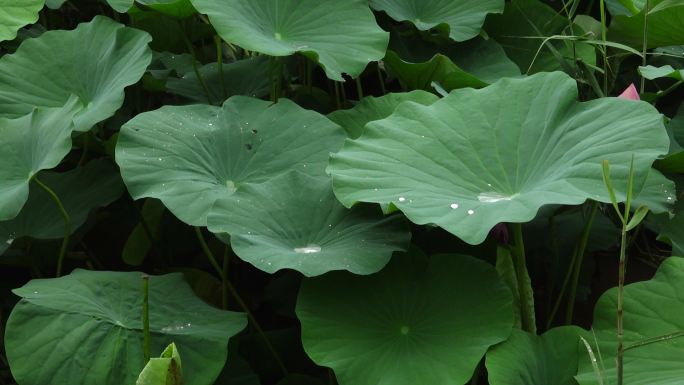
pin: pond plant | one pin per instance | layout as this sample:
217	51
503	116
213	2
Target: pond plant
351	192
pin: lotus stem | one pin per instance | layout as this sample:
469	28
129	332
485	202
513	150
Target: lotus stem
231	289
620	305
605	47
359	87
524	290
577	267
146	318
644	45
67	223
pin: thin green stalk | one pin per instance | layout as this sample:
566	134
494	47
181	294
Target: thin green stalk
381	80
524	290
561	294
85	148
195	68
219	61
644	45
276	78
669	89
256	325
654	340
146	318
231	289
581	248
620	304
224	278
309	74
605	48
343	92
207	251
338	100
67	223
359	88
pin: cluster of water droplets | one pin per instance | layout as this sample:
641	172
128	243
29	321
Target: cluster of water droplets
176	326
308	249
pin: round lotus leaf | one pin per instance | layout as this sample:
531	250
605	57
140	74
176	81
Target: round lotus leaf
175	8
80	190
464	18
415	322
86	328
15	14
294	222
189	156
665	25
341	35
480	157
36	141
654	314
371	108
529	359
95	62
522	19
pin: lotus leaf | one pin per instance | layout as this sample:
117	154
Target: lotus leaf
294	221
93	319
189	156
95	62
341	35
480	157
389	319
652	309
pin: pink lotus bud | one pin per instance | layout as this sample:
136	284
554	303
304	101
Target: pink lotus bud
630	93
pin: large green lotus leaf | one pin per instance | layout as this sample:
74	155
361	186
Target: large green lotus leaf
371	108
189	156
624	7
54	4
15	14
294	222
475	63
528	359
651	72
80	190
523	19
415	322
33	142
463	18
480	157
658	193
674	161
86	328
249	77
95	62
652	309
665	20
174	8
341	35
672	232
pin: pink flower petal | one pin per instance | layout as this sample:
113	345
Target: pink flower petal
630	93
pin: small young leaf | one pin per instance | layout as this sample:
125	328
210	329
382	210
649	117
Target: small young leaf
609	187
638	216
165	370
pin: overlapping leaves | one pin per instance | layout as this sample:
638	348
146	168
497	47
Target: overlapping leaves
480	157
94	62
94	320
341	35
190	156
